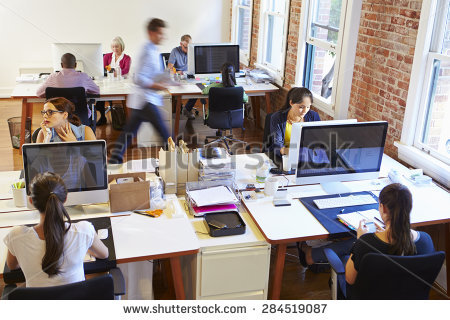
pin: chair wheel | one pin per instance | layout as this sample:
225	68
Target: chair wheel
247	147
197	113
206	141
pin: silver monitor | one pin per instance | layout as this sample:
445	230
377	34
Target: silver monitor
332	153
81	164
89	57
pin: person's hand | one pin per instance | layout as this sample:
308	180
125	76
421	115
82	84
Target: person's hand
45	132
362	229
65	133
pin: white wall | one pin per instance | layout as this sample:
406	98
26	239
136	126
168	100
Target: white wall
27	28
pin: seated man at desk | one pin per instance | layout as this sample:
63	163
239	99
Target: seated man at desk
52	252
68	77
178	60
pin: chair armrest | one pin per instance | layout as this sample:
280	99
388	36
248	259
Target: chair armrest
7	290
335	263
119	281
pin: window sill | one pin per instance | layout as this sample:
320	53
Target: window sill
276	77
323	106
431	166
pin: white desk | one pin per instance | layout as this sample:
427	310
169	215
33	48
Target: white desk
109	90
283	225
189	90
136	237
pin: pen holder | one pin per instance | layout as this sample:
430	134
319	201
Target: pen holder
20	197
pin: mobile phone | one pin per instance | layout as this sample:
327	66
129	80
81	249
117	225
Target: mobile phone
371	226
250	186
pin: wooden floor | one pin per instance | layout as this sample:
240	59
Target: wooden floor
298	282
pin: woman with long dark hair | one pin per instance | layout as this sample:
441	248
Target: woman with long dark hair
52	252
296	109
228	80
60	123
396	239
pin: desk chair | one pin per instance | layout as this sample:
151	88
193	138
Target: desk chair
165	58
105	287
387	277
78	96
226	111
35	135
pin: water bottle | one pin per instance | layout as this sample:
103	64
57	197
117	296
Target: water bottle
118	73
263	172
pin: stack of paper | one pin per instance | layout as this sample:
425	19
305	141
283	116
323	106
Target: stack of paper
217	169
219	195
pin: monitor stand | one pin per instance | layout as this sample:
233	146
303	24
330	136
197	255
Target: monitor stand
75	210
334	187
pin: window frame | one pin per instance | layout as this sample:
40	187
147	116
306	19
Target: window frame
244	55
410	148
345	50
278	74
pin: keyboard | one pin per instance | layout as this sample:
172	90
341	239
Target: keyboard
347	201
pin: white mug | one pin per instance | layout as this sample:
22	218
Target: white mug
20	197
271	186
286	166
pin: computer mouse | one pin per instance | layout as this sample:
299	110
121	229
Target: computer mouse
102	233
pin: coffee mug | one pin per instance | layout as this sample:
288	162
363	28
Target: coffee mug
286	166
20	197
271	186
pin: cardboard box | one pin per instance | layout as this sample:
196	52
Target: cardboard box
129	196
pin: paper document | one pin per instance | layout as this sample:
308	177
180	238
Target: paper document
212	196
352	219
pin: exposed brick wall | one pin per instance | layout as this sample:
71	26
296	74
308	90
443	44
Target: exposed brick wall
383	62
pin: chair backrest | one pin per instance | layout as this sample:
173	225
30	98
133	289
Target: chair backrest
267	138
226	108
165	56
35	135
77	95
98	288
387	277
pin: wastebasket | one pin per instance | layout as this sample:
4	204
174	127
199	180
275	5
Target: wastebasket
14	130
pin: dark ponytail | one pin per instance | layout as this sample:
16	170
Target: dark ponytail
62	104
228	75
48	194
296	95
398	201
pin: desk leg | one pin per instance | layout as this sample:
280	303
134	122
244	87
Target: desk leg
447	255
177	278
177	118
268	104
256	110
27	110
278	272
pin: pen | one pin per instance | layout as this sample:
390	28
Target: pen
144	214
379	220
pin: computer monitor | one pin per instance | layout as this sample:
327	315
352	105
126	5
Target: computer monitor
81	164
89	57
295	138
206	60
332	153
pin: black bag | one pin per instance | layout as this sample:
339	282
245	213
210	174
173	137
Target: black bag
118	117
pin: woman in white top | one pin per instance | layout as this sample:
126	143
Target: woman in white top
52	252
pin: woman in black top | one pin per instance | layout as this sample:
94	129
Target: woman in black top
396	239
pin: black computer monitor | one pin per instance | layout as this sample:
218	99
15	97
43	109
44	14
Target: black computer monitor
210	58
330	153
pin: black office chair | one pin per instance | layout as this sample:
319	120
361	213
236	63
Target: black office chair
165	57
226	111
105	287
387	277
78	96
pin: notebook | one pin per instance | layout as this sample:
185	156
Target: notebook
352	219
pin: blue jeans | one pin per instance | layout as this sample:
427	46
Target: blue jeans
191	103
342	249
148	113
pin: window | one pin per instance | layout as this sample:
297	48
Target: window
242	22
425	141
272	40
433	129
323	51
